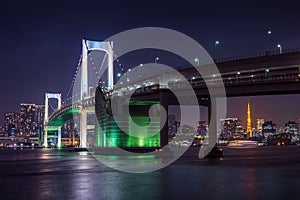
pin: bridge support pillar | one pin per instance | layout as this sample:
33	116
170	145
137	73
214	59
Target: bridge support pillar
83	127
59	137
46	137
164	102
212	120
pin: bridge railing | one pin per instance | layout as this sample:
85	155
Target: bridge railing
258	54
87	102
237	80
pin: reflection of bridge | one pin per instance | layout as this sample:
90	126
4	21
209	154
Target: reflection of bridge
270	74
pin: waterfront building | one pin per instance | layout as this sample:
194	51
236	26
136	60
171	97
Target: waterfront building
231	128
69	133
39	118
11	123
259	125
268	129
292	129
31	119
173	125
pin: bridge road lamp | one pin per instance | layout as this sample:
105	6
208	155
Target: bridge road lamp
141	65
127	77
119	75
269	32
197	61
193	78
266	73
156	59
237	76
280	48
269	40
217	42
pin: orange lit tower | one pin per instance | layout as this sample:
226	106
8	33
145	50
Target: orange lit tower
249	129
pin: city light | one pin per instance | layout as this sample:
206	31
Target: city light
217	42
280	48
197	61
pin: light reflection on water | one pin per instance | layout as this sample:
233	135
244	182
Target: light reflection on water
74	176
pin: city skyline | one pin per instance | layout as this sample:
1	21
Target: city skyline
271	104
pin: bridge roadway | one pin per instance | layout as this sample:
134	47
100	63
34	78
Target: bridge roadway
266	77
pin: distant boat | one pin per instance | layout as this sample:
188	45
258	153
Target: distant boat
243	143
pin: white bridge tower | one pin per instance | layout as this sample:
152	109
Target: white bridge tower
87	46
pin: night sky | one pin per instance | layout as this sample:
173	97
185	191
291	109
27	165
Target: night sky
41	41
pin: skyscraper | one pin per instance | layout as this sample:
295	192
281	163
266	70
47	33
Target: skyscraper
268	128
231	128
31	119
11	123
249	128
259	124
292	128
201	129
39	117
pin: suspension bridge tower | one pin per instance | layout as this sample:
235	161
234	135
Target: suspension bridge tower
87	46
46	117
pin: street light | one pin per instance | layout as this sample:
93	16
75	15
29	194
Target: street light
197	61
280	48
269	32
141	65
237	74
156	59
266	73
193	78
217	42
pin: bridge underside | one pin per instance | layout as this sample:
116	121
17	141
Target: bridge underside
61	119
109	133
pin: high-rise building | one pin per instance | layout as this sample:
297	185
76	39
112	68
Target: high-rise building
259	124
69	130
201	129
173	125
249	128
268	128
31	119
11	123
231	128
292	127
39	118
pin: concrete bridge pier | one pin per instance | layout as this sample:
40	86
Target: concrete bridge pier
212	121
83	128
164	100
46	136
59	137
